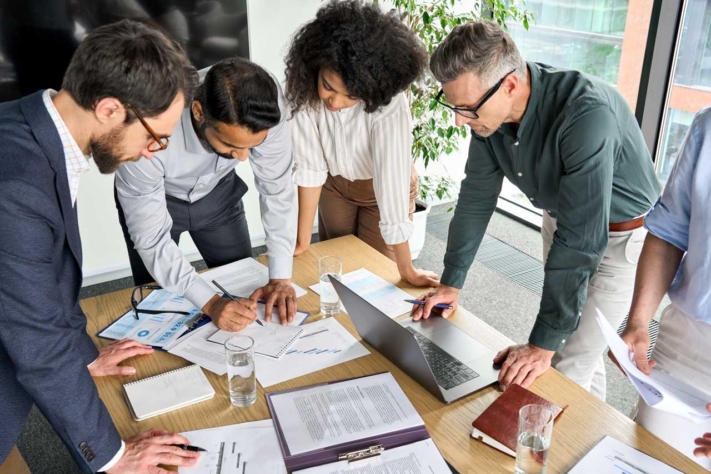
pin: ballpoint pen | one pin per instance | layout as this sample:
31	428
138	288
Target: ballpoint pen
422	303
187	447
233	299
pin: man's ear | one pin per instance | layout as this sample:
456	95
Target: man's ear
511	84
109	109
197	111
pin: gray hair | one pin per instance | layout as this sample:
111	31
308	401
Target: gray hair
479	47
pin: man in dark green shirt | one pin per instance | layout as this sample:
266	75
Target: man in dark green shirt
570	143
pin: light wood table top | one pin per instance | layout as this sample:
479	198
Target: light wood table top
584	423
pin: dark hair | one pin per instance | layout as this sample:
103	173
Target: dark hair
375	53
237	91
132	62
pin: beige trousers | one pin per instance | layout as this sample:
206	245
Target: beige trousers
610	290
14	464
350	208
682	350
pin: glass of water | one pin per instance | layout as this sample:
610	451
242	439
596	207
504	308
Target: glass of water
535	428
329	266
240	370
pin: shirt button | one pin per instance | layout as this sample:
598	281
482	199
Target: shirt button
563	341
520	174
201	185
516	143
530	199
219	168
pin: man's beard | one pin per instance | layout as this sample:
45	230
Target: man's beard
105	150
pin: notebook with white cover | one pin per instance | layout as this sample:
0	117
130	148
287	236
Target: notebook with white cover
167	392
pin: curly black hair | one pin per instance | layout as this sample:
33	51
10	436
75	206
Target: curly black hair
375	53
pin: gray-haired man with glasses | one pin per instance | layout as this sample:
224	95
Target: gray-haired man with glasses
571	143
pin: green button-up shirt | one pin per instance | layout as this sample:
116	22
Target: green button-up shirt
578	153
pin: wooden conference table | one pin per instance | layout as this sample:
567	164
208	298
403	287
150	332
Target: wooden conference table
584	423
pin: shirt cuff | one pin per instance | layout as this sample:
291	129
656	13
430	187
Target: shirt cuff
199	293
309	178
545	337
394	234
280	266
453	277
115	459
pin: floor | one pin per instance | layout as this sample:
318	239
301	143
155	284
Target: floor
508	304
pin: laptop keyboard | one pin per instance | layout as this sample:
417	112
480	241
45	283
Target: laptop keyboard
448	371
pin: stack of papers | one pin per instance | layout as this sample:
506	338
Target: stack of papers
246	448
660	390
242	277
388	298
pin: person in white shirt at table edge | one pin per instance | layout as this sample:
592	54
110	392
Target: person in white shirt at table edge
346	72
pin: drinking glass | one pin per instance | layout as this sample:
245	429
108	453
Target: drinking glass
241	377
535	428
330	303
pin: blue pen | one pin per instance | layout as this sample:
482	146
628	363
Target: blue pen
422	303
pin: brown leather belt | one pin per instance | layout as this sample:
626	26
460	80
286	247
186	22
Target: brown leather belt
629	225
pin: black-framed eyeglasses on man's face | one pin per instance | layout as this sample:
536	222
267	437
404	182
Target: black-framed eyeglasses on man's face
137	298
158	143
473	113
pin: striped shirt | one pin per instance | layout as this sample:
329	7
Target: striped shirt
77	161
357	145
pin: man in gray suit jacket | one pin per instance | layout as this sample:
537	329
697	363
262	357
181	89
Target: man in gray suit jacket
122	95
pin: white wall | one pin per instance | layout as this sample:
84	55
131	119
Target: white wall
271	24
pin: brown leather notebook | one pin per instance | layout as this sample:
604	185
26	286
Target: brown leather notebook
498	425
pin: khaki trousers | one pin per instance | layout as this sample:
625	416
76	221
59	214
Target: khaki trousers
681	351
610	290
350	208
14	464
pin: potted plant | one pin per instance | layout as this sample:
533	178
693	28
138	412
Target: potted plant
434	133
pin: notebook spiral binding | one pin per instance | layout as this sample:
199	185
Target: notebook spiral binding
289	344
161	375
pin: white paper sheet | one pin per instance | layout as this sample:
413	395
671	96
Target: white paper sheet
385	296
421	457
660	390
324	343
195	348
299	318
270	340
610	456
327	415
246	448
157	330
241	278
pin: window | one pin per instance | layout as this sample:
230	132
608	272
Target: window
691	83
603	38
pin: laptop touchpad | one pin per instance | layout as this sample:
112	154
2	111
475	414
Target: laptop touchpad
458	344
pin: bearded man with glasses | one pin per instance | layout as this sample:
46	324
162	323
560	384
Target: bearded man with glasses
572	145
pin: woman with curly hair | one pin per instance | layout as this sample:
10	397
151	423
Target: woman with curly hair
346	72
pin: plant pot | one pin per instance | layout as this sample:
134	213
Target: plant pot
419	219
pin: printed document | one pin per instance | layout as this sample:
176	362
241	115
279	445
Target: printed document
246	448
242	277
271	340
660	390
385	296
324	343
195	348
610	456
421	457
327	415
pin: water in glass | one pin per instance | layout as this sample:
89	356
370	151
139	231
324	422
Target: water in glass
531	453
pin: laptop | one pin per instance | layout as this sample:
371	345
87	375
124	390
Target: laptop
441	357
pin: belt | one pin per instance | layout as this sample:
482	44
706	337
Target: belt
629	225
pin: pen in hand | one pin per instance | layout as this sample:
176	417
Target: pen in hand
187	447
422	303
233	299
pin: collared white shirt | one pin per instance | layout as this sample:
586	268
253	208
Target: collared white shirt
77	162
357	145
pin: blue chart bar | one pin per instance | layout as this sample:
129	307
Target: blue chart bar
314	351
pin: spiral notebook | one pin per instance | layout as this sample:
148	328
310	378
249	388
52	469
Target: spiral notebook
271	340
167	392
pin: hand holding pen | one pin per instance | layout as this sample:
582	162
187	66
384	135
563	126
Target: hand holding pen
230	313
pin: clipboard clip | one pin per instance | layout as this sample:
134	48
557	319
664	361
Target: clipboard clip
199	319
362	455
